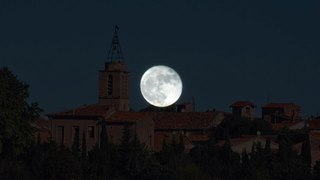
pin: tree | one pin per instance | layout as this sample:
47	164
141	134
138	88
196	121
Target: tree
229	161
84	146
76	143
306	150
316	170
103	136
246	166
16	115
138	159
104	155
288	164
124	148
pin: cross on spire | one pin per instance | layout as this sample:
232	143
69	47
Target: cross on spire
115	52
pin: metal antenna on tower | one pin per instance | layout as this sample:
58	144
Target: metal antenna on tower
115	52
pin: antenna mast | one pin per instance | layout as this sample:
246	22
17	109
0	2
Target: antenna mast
115	52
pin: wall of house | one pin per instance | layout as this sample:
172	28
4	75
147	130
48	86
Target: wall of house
292	111
268	113
247	112
68	132
289	112
144	129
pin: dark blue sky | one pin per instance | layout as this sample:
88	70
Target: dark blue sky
224	50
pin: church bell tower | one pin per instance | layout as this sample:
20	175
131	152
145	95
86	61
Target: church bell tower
114	79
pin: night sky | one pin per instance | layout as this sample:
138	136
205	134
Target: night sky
224	50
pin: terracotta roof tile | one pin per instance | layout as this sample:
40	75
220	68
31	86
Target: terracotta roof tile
127	116
86	110
242	104
186	120
162	120
314	123
279	105
284	124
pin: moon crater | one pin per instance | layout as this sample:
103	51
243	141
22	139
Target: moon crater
161	86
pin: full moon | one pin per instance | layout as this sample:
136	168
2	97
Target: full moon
161	86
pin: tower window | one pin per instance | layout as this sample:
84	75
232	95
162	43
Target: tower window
110	84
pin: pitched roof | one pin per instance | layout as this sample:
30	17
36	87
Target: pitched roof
314	123
286	124
186	120
242	104
127	115
248	138
162	120
85	110
279	105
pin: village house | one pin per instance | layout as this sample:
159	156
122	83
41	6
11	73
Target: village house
151	128
281	112
243	109
246	142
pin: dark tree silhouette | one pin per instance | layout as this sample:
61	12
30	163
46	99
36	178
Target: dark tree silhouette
16	115
76	144
84	146
306	150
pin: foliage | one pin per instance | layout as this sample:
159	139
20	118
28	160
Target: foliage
216	161
316	170
76	144
16	115
84	146
23	158
234	126
306	150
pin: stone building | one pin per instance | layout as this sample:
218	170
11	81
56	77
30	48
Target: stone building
87	120
244	109
281	112
151	128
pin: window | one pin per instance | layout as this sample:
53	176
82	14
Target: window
91	131
60	134
75	133
247	110
110	85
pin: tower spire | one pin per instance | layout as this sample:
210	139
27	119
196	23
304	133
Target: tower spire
115	52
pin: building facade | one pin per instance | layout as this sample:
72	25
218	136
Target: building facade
87	121
243	109
281	112
151	128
